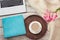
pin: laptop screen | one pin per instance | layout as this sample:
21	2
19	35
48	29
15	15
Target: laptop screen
9	3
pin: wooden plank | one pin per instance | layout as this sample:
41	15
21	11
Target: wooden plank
2	38
1	31
0	23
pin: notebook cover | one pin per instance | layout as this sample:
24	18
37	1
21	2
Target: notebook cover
13	26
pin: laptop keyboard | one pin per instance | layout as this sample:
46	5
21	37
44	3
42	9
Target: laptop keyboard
9	3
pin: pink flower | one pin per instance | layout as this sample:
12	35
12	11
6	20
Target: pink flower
49	16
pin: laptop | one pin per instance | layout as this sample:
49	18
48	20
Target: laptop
12	6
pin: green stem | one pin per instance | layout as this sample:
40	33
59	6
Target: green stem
57	10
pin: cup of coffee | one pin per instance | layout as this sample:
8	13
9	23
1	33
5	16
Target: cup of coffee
35	27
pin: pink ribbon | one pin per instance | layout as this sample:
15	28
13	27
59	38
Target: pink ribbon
49	16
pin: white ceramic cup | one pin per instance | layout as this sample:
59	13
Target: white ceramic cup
36	29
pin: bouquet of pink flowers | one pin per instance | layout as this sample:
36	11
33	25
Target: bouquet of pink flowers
49	16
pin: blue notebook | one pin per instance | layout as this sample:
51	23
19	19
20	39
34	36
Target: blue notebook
13	26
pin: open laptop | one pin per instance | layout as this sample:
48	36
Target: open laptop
12	6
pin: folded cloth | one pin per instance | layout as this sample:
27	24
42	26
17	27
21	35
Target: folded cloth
13	26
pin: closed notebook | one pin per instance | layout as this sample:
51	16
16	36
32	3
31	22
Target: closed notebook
13	26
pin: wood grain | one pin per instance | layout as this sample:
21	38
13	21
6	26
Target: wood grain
1	32
0	23
2	38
